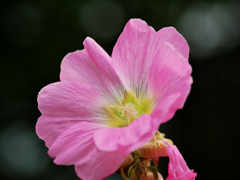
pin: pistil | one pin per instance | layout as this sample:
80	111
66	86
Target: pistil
129	112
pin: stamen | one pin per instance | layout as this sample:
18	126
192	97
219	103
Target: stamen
129	111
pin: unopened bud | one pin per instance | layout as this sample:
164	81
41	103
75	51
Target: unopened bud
136	170
150	176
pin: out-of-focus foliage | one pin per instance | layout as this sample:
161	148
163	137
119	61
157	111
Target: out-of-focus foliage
36	35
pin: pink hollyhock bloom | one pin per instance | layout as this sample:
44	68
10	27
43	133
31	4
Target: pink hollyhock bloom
177	167
106	107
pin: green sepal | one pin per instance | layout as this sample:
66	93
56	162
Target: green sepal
154	170
131	174
136	170
136	153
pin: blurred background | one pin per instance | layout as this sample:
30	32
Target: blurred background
37	34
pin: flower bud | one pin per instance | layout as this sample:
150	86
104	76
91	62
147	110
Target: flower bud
150	176
136	170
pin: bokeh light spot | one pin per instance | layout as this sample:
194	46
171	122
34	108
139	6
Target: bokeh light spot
210	29
21	152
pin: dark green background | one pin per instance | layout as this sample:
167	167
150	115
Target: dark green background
37	34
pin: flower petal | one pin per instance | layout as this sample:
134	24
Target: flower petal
132	55
173	37
64	104
73	144
126	139
100	165
92	66
165	109
135	50
177	167
76	146
169	82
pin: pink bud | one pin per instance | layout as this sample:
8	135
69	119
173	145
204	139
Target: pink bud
150	176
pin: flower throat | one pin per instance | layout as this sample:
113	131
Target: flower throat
130	110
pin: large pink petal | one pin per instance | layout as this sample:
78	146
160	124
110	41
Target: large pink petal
99	165
177	167
126	139
169	82
76	146
64	104
173	37
92	66
136	48
165	109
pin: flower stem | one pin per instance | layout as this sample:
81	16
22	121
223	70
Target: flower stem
123	174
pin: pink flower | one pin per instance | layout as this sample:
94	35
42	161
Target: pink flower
177	167
106	107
